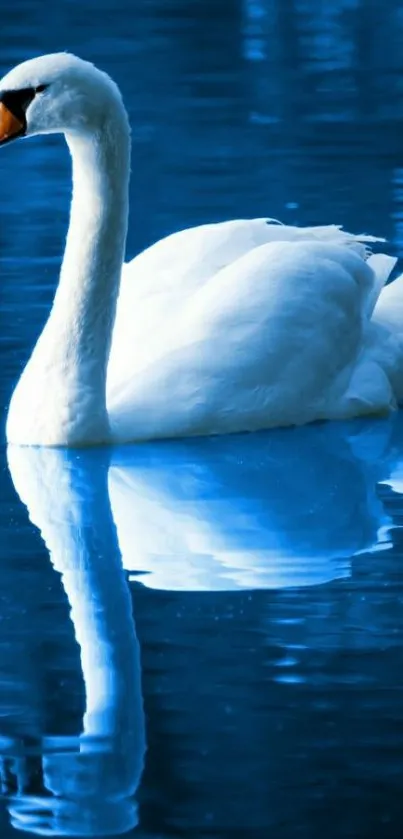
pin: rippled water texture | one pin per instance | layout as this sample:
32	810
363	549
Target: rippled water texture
205	638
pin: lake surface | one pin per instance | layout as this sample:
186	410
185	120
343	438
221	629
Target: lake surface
205	638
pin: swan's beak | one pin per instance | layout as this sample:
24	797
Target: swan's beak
10	126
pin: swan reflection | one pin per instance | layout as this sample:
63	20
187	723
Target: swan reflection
82	786
271	510
283	508
268	510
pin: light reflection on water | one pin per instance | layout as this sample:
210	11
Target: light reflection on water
256	686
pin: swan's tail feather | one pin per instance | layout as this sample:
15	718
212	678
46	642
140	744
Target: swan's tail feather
332	233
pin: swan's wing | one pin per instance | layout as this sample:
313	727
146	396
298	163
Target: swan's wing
273	339
185	260
165	276
193	255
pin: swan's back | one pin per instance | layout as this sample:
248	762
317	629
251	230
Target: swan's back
184	260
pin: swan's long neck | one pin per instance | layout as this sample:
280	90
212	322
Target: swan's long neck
85	302
63	385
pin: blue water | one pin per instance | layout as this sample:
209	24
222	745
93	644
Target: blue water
204	639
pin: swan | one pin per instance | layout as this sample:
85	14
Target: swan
229	327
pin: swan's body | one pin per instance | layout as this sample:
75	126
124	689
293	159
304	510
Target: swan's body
222	328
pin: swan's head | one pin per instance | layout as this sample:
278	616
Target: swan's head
53	94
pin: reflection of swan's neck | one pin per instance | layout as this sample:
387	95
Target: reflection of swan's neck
104	629
68	365
67	498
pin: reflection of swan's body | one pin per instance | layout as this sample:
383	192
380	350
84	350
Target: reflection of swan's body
93	785
282	508
223	328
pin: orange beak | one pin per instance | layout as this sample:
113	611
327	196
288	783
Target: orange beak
10	126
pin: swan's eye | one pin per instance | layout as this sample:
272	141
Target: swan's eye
40	88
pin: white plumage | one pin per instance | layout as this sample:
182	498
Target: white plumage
229	327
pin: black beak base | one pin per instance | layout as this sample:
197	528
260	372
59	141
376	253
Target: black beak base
13	106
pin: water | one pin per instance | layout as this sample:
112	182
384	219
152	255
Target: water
206	638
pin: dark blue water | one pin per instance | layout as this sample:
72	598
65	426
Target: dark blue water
205	638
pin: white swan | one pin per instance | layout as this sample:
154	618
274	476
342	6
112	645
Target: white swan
221	328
